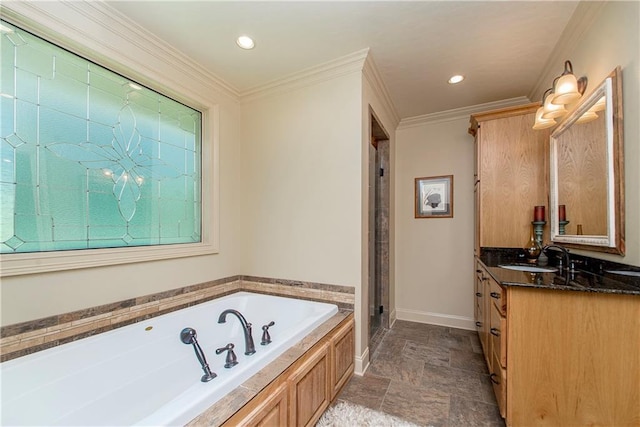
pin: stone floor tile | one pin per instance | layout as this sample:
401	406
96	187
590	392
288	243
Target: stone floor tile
397	367
449	340
469	361
457	382
415	404
367	390
419	335
433	355
470	413
408	378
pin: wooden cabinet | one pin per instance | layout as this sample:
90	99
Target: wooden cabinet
491	325
271	412
309	389
511	175
342	360
560	358
573	358
299	396
481	292
498	347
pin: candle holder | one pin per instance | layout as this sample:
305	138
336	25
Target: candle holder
538	229
561	226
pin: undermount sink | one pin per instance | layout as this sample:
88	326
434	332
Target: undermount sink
624	272
528	268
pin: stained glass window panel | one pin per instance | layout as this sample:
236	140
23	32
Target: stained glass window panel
91	159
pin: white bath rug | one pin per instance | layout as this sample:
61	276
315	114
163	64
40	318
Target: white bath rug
345	414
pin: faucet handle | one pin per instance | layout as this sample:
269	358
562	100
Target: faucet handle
266	337
231	359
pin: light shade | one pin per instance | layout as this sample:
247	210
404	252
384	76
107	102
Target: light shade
565	90
456	79
552	111
542	123
587	117
600	105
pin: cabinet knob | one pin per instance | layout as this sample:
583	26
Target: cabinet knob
495	295
478	294
493	379
495	332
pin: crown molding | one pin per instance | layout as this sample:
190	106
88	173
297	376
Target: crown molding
581	21
459	113
329	70
371	73
71	20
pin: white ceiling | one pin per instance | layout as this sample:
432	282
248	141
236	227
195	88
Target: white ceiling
500	46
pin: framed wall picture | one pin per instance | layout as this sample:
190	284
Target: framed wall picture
434	197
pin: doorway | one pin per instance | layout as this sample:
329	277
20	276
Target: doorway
379	187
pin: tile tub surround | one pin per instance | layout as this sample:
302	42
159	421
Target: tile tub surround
28	337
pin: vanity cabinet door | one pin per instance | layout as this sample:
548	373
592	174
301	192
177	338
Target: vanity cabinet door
342	360
480	298
271	412
512	174
310	389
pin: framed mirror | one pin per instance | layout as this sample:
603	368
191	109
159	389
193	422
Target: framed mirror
586	176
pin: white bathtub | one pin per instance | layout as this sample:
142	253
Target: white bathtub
136	376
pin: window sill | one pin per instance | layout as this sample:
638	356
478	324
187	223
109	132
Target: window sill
42	262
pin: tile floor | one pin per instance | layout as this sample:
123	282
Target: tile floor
429	375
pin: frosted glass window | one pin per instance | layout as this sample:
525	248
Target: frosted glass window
89	158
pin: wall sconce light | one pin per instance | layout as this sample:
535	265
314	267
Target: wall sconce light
543	123
566	90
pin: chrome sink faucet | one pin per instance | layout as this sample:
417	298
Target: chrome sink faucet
565	254
250	347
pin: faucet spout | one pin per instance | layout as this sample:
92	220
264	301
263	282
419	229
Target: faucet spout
250	347
565	252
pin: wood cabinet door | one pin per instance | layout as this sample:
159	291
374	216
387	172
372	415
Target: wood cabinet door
342	357
513	179
310	389
271	412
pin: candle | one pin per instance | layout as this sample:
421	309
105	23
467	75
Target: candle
562	213
538	213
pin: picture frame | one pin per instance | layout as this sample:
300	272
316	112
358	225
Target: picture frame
434	197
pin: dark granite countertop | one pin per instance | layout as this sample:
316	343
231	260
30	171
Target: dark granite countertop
591	275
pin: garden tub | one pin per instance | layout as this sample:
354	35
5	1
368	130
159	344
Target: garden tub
143	374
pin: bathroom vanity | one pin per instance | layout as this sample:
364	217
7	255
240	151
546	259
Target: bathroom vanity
562	348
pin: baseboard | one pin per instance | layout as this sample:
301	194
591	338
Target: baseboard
436	319
362	363
392	318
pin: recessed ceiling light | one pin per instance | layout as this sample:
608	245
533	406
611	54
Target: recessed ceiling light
456	79
134	86
245	42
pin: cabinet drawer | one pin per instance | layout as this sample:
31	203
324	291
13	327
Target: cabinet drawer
498	331
498	296
498	377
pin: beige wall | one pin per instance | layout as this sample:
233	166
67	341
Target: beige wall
302	198
301	183
434	257
612	39
33	296
373	102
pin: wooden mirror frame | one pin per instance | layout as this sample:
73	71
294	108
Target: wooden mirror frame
613	242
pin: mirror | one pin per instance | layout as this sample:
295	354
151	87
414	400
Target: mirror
586	176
